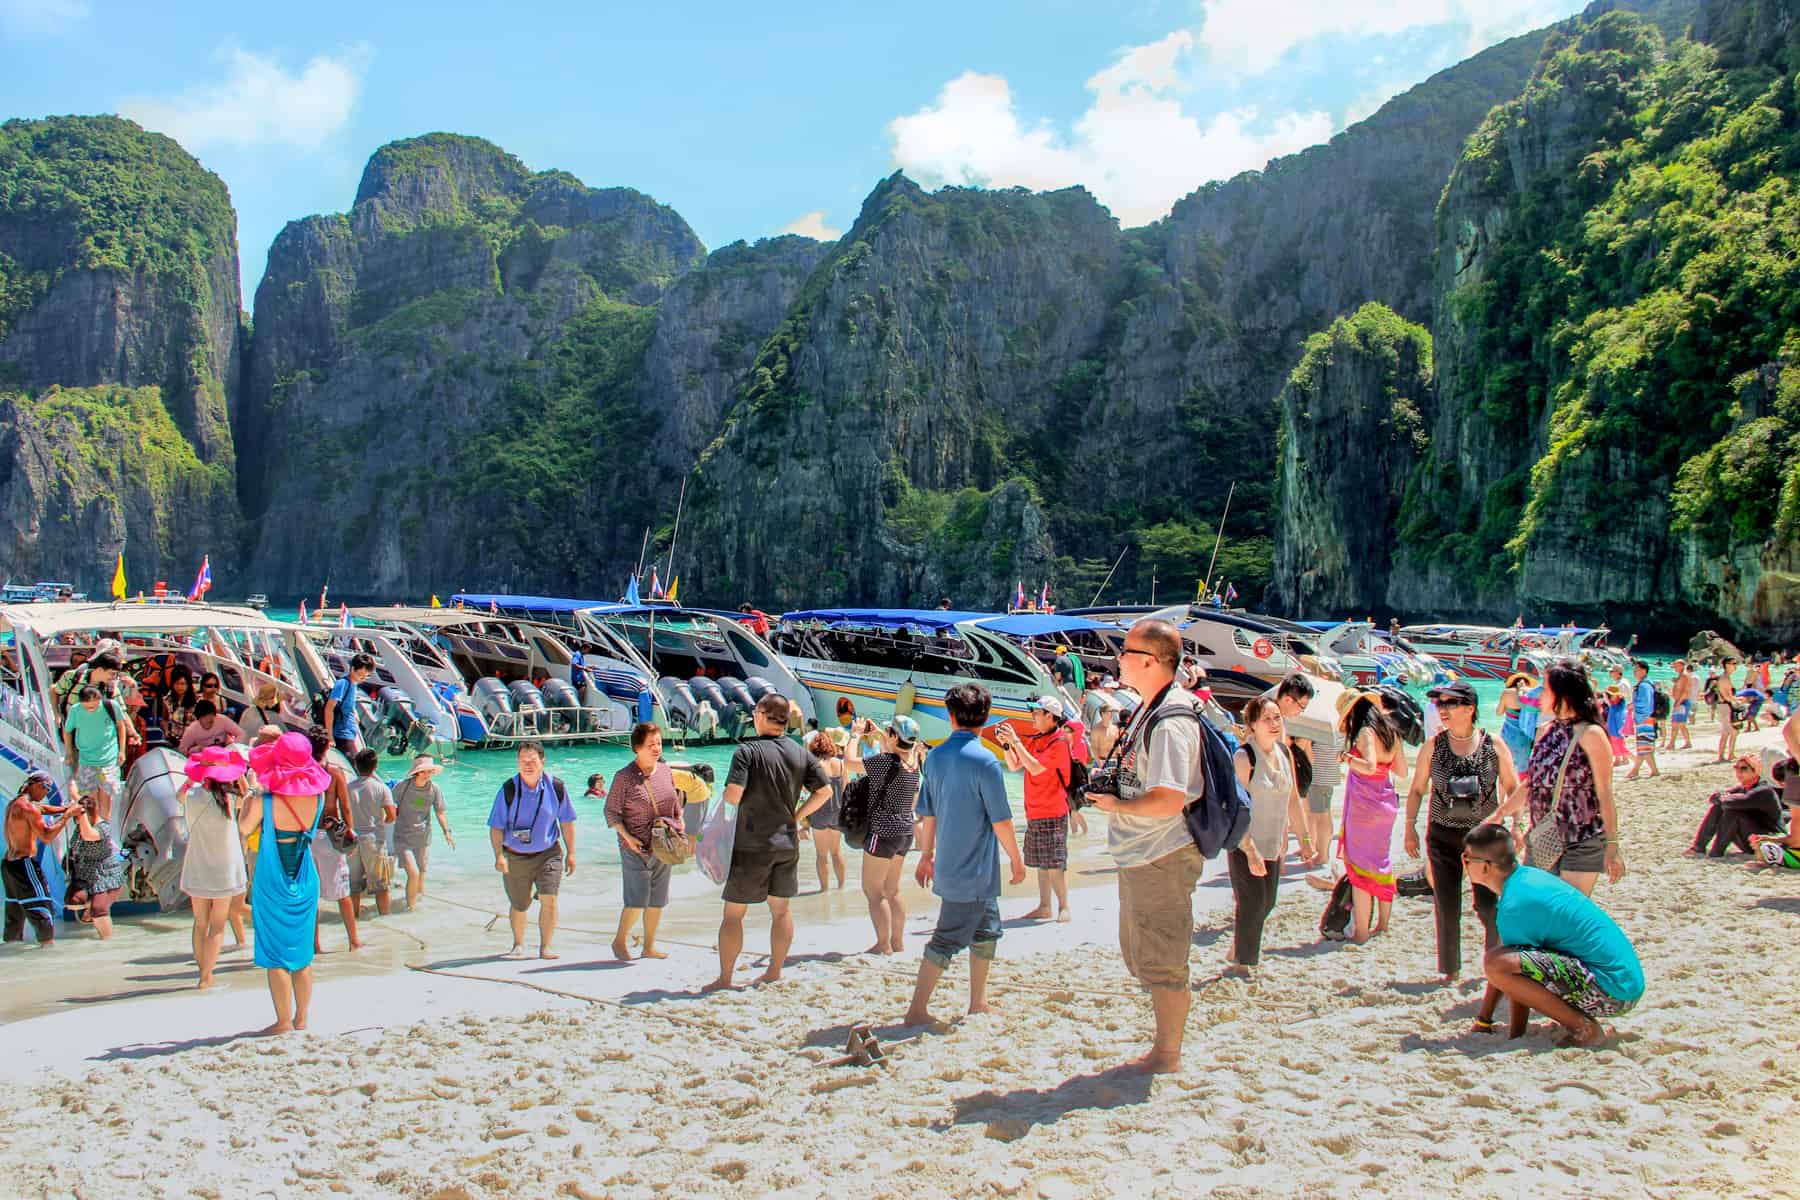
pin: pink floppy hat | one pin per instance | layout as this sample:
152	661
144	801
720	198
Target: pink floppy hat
286	766
216	764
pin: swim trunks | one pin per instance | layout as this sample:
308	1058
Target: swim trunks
1569	980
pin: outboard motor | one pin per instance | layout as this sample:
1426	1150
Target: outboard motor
566	710
494	702
402	730
758	687
368	717
152	829
679	701
708	690
528	702
736	693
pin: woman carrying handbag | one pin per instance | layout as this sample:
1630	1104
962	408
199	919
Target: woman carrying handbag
644	808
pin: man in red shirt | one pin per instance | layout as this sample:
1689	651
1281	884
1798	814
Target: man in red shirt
755	618
28	827
1045	755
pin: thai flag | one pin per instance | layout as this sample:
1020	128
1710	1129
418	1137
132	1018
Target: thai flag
1230	592
202	581
655	586
1019	595
494	607
1044	595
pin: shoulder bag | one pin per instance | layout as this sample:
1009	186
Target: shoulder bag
1545	845
668	845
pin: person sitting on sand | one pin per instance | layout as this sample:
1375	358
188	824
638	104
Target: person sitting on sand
1047	758
286	886
532	828
1560	953
643	794
964	821
1782	851
1158	770
1749	808
768	775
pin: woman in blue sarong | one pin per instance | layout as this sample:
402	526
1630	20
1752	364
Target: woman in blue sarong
286	887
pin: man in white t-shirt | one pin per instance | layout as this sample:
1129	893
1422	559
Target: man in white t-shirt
1159	776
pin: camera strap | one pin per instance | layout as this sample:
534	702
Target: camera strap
1138	728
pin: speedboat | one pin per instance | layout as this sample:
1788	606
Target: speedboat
1369	656
710	668
413	700
244	648
508	681
903	660
258	601
1475	651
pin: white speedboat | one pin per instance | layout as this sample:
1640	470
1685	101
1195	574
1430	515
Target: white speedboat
709	668
524	682
243	647
888	660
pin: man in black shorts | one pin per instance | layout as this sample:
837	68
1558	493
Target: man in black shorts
768	774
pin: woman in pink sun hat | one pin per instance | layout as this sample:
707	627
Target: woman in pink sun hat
286	890
219	807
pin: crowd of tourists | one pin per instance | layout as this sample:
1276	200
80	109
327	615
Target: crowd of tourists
1524	823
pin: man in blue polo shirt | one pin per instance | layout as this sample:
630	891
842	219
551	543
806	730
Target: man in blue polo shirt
532	828
1559	953
964	821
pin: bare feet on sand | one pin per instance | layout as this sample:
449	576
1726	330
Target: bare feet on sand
770	975
918	1017
621	951
1063	917
1037	914
718	985
986	1007
546	952
1592	1034
1157	1062
652	952
277	1027
206	981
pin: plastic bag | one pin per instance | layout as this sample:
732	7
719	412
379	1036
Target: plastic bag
718	834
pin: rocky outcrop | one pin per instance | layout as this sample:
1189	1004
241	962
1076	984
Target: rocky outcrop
119	354
1353	418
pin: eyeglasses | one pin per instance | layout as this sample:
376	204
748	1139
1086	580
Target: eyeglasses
1149	654
1449	703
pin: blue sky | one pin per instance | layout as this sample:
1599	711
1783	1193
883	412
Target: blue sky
749	119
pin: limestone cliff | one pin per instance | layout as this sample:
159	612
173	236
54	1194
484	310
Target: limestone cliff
119	355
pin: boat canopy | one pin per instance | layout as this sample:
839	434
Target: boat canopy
562	604
1028	624
51	620
888	618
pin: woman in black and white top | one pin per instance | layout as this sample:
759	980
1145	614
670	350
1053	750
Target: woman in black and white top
1468	773
893	792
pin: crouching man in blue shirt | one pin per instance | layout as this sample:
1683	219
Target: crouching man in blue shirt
964	821
1559	953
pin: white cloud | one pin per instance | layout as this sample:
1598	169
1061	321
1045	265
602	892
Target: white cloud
1251	36
813	225
259	103
22	18
1134	147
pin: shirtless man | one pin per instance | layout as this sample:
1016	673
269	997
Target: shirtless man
1683	693
27	829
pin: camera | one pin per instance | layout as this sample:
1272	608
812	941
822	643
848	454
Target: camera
1104	780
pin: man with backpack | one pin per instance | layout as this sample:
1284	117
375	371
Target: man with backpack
94	735
1047	758
532	828
339	715
1155	772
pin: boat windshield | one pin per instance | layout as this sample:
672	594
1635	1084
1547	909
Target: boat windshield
918	652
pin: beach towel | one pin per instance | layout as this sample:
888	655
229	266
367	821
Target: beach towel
1370	808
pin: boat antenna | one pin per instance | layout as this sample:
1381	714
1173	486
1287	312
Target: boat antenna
1109	575
682	500
641	551
1216	540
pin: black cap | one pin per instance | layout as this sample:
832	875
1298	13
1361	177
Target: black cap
1454	690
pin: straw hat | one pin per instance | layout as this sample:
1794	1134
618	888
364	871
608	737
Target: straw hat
1520	677
286	766
1348	697
216	764
268	696
424	764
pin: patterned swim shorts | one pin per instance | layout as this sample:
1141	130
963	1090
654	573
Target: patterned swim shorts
1569	980
1046	843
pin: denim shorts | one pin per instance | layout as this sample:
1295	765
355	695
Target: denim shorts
972	925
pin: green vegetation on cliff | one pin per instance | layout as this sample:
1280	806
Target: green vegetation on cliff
111	440
100	193
1628	300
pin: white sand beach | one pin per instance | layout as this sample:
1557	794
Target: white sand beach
1339	1069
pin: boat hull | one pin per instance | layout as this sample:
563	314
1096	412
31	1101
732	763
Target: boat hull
878	691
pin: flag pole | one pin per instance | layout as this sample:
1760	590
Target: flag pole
1213	561
1109	575
676	533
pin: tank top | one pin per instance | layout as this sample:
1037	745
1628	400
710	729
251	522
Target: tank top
1578	811
1271	786
1483	762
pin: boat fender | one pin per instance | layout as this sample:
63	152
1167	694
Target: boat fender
903	699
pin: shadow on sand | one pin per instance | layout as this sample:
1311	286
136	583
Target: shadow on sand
1111	1088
